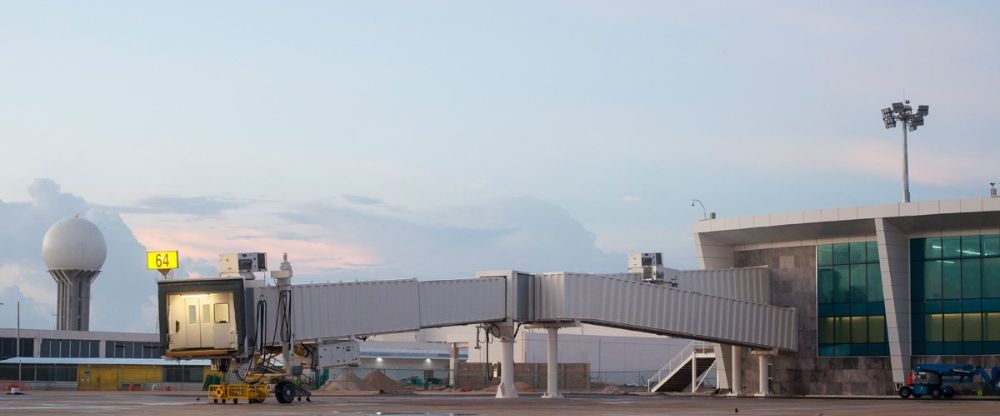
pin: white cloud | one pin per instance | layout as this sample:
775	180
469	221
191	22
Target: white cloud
118	291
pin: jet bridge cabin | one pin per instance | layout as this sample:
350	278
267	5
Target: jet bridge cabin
203	317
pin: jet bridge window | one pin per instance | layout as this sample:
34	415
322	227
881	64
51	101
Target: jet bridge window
221	313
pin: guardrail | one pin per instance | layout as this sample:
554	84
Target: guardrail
678	360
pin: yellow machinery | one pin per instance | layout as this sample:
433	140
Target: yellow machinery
253	393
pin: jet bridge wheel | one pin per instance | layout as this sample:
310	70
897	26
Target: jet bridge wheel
284	392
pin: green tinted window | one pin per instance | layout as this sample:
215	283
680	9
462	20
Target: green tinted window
843	330
859	329
842	284
872	251
970	246
932	328
951	247
992	326
972	327
876	329
991	277
951	279
859	282
932	279
841	253
956	295
991	245
932	248
827	330
824	254
874	283
972	287
859	252
952	323
849	295
824	285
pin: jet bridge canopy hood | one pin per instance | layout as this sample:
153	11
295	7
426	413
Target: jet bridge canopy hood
203	317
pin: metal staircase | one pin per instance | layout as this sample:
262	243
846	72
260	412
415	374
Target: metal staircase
676	375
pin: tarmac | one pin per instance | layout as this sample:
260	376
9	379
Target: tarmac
196	403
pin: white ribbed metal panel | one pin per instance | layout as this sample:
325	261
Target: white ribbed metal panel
457	302
338	310
662	309
751	284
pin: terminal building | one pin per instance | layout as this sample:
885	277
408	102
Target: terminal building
877	290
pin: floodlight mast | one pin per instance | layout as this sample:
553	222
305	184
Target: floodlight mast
904	112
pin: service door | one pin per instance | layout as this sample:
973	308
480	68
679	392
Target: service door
178	316
223	323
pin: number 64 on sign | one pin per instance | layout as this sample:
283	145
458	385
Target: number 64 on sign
161	260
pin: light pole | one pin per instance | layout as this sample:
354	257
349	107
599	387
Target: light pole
903	112
17	350
704	214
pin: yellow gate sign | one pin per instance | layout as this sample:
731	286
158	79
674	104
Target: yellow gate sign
161	260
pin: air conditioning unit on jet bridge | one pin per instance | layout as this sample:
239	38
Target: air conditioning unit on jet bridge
650	265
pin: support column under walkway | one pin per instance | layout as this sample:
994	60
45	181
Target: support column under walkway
736	381
552	365
453	364
506	389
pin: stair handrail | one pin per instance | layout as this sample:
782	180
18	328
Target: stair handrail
677	360
704	375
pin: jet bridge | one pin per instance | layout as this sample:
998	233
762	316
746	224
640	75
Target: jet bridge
612	300
337	311
234	319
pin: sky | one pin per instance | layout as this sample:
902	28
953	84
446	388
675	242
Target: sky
399	139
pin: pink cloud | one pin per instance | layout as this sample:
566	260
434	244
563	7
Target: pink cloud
207	243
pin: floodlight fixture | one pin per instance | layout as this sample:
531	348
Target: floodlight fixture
904	112
887	118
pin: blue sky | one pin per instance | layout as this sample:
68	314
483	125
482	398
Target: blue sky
199	122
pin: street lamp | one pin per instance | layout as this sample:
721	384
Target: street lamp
704	214
904	112
17	351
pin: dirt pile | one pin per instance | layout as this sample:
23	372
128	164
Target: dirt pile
376	380
612	389
346	381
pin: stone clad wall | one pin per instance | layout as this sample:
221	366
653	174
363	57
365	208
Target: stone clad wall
793	283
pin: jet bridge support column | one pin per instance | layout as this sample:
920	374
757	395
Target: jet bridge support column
552	365
506	389
763	371
736	381
552	356
453	364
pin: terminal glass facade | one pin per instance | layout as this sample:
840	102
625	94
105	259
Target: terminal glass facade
851	308
955	295
128	349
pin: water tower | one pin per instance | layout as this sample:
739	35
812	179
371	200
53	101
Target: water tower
74	251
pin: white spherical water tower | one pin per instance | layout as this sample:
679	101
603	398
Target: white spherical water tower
74	251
